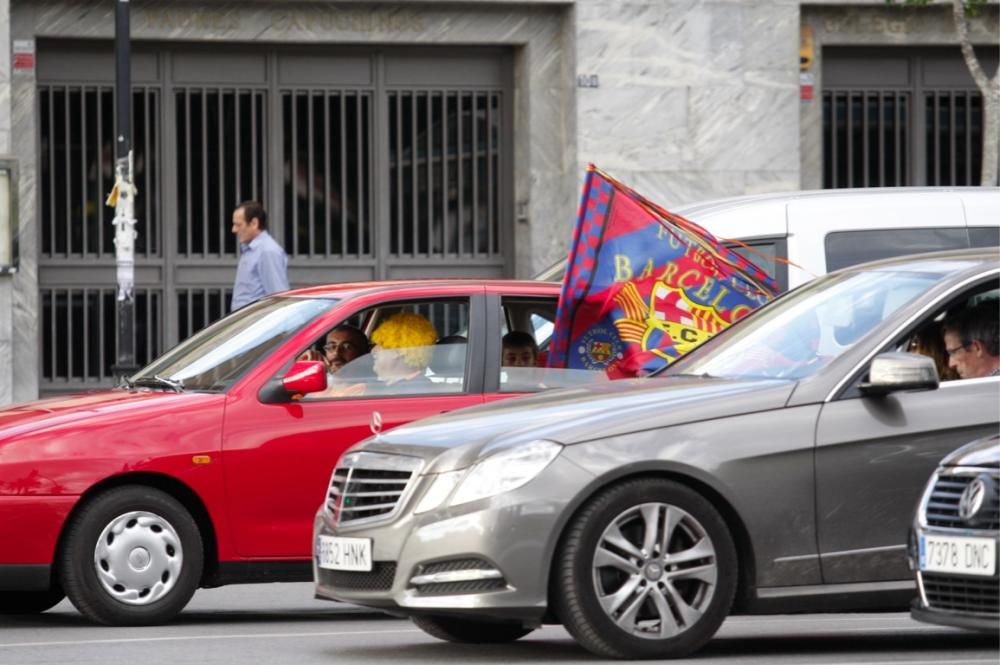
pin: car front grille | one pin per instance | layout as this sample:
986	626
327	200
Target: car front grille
941	509
369	486
378	579
962	594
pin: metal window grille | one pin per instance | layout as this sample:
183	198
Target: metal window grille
865	138
77	153
197	308
221	153
449	318
444	173
328	172
79	333
954	137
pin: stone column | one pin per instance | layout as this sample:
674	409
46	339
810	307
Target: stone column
6	281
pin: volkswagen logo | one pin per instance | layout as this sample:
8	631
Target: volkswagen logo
973	498
376	423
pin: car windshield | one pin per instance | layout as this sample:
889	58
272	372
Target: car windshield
215	358
804	331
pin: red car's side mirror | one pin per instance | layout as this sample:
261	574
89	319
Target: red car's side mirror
305	376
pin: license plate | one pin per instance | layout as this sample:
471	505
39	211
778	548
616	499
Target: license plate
338	553
958	554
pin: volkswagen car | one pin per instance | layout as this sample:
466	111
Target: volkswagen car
956	537
772	469
203	468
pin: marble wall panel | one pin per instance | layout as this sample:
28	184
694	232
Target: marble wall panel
635	128
753	126
6	281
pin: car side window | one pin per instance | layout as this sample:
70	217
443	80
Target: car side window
527	326
768	254
984	236
412	348
848	248
931	335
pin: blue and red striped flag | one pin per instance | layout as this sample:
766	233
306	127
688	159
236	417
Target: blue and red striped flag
643	286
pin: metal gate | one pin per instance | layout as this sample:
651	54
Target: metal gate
901	116
372	164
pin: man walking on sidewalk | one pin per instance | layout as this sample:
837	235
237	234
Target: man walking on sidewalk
263	266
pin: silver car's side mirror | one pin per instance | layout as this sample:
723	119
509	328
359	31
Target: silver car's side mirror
900	371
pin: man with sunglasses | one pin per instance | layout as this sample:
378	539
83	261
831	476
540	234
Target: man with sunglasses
972	341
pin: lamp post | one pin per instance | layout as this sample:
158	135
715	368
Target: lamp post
123	199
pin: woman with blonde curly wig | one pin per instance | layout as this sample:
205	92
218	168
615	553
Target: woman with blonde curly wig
403	344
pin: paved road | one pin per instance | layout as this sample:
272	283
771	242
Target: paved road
283	625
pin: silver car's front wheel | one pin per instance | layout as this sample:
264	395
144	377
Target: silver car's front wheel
655	570
646	570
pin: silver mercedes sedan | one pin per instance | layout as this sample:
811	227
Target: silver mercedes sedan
773	469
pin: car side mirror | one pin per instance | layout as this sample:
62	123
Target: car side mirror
305	376
895	371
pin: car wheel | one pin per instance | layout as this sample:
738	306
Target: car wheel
471	631
647	569
132	556
29	602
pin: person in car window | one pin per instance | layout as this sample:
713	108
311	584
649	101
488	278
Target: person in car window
928	342
519	350
343	344
402	347
972	341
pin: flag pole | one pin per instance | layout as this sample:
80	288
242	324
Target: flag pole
122	198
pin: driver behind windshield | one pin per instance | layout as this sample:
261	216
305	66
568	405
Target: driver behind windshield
343	344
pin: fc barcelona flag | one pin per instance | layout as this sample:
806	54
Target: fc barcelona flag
643	285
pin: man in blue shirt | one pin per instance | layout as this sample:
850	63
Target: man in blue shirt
263	266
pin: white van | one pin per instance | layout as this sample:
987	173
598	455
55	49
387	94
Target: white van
821	231
824	230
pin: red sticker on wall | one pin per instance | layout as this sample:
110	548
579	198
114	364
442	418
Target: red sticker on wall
24	61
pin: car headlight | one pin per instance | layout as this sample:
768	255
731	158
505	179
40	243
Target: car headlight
505	471
439	490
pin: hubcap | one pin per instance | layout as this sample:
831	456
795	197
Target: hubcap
138	558
655	571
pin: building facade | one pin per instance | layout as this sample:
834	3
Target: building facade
410	139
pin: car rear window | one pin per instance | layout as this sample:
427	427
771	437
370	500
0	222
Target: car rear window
848	248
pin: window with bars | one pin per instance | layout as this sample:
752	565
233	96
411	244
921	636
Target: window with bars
401	179
79	330
77	169
954	137
865	138
328	173
221	157
901	116
444	173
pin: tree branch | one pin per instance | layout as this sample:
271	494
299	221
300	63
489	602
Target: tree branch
971	61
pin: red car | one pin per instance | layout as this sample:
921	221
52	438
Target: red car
207	467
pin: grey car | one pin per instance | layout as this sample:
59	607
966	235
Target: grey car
956	540
773	469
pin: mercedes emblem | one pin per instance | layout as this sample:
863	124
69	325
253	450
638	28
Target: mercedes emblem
376	423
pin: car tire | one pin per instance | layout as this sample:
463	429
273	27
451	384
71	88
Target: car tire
29	602
471	631
621	594
132	556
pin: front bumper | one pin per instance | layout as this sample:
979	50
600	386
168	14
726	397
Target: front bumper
489	557
983	623
948	599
